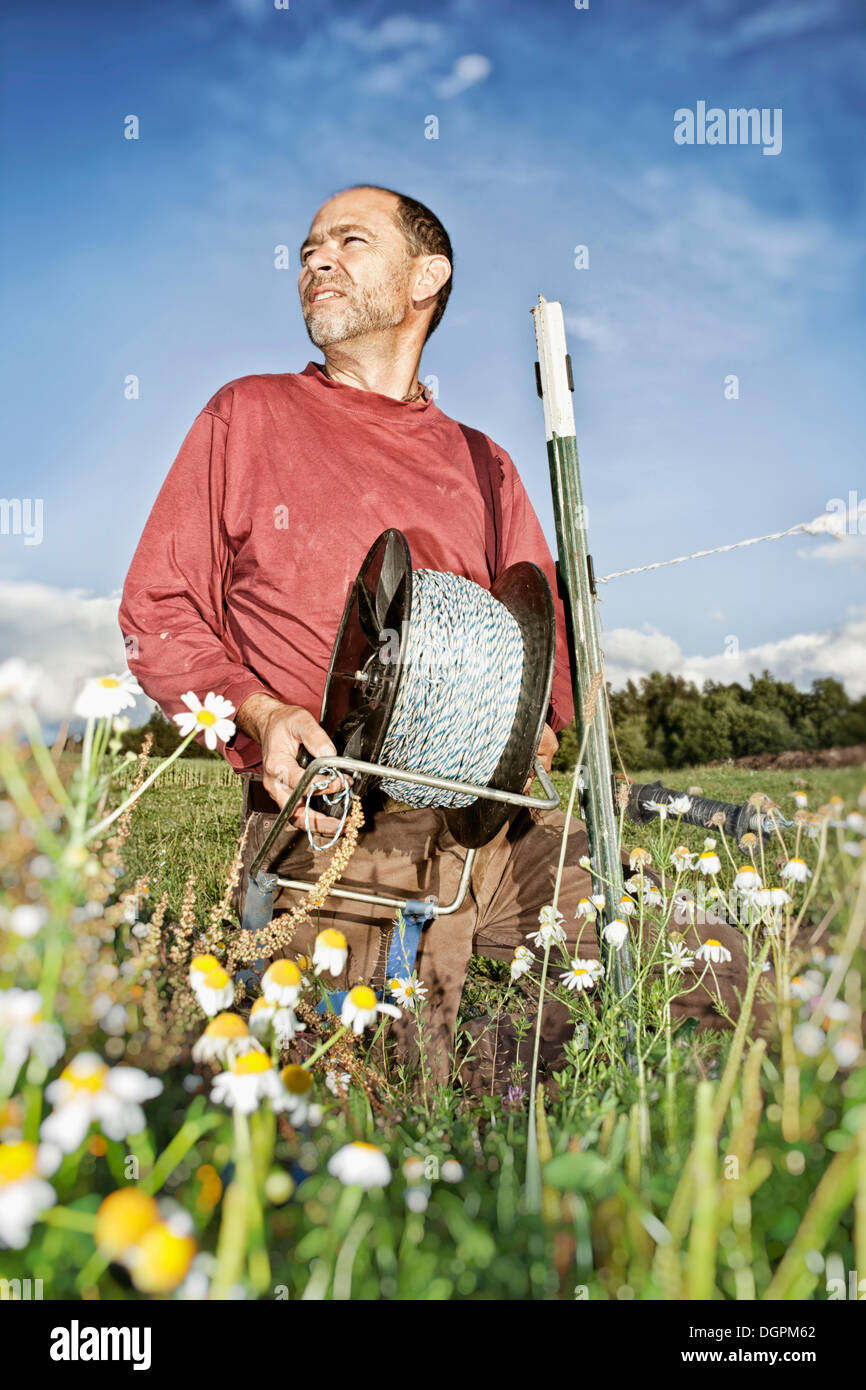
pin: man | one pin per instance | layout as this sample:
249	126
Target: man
240	578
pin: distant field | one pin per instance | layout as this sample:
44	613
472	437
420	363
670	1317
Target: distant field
192	817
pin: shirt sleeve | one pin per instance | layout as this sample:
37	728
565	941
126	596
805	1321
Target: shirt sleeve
523	539
172	608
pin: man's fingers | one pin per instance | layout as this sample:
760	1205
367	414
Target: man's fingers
319	824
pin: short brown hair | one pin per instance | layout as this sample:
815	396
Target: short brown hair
425	236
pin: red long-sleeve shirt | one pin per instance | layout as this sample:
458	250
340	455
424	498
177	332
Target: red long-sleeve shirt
280	488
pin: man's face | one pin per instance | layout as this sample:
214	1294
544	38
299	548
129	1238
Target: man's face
355	268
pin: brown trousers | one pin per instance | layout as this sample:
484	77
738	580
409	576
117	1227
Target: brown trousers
411	853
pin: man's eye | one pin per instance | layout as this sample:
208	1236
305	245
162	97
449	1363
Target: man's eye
354	238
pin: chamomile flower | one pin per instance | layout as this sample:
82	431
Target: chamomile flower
680	805
682	858
585	908
801	800
122	1220
213	718
262	1018
360	1008
226	1036
521	962
214	991
23	1033
713	950
24	1193
615	934
747	879
360	1165
330	952
199	967
627	905
246	1082
88	1091
296	1094
160	1260
408	991
639	858
677	957
797	870
550	931
584	974
105	696
709	862
779	897
281	983
651	895
287	1025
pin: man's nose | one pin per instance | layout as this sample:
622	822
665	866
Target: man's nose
320	259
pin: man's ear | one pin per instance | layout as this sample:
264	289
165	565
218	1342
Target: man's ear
434	272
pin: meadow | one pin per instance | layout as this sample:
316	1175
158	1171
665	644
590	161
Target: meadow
149	1148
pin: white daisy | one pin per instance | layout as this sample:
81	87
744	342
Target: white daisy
709	862
806	987
677	957
213	718
360	1008
550	931
287	1025
713	950
88	1091
682	858
797	870
214	991
615	934
408	991
105	696
297	1093
521	962
281	983
747	879
360	1165
24	1034
680	805
24	1193
585	908
226	1036
248	1081
584	974
627	905
330	952
651	895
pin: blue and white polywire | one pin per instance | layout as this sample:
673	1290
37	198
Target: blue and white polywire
457	700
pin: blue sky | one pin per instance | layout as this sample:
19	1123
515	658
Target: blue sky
155	258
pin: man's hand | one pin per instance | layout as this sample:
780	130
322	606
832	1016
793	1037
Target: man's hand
282	730
546	749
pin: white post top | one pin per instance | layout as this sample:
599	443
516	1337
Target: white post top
552	350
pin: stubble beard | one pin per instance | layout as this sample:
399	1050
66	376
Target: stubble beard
367	311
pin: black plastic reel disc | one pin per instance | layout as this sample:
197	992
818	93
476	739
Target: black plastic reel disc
525	592
367	660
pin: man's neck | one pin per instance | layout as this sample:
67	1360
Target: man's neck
393	372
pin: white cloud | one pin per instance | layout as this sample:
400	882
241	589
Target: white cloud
775	23
69	633
467	70
801	658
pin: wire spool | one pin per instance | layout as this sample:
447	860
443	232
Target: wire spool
433	673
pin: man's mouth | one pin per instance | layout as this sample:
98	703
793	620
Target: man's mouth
318	295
